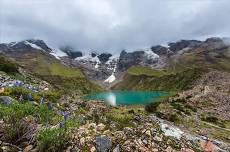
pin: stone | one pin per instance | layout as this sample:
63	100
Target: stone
169	149
101	127
154	150
93	149
6	100
117	149
207	146
148	133
128	131
28	148
103	143
119	135
186	150
157	138
82	141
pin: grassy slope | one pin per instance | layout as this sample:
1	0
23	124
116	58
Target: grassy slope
139	70
52	70
163	81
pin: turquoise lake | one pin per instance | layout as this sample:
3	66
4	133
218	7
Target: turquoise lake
127	97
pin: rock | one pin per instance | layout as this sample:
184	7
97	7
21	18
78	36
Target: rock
119	135
6	100
101	127
82	141
148	133
207	146
2	90
28	148
186	150
116	149
92	149
128	131
154	150
104	57
145	142
169	149
68	149
103	143
158	138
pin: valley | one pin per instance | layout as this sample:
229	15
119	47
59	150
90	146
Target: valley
43	105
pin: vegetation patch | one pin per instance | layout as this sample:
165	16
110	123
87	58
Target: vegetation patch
8	66
140	70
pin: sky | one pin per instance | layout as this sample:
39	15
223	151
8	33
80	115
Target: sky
113	25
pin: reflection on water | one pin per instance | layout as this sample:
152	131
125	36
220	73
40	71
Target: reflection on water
111	99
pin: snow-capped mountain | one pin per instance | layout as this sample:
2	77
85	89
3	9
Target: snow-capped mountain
108	68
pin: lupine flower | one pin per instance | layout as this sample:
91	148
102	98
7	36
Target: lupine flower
21	98
65	114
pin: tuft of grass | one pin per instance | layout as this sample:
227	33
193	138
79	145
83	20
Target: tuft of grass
52	140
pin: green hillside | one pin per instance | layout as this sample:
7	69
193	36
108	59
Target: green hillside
167	81
48	68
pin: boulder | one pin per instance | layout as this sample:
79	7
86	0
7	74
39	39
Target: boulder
116	149
103	143
6	100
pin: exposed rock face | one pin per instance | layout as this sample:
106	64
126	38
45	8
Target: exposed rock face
140	57
104	57
24	47
70	52
175	47
41	44
127	60
160	50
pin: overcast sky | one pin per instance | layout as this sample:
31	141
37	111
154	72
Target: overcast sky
113	25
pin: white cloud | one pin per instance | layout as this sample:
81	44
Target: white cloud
112	24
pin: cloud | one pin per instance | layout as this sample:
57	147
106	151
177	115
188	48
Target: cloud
112	25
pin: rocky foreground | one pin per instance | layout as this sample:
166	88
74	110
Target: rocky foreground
94	126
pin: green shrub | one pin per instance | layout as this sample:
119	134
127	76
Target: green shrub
211	119
122	120
8	66
191	107
152	107
174	118
13	116
52	140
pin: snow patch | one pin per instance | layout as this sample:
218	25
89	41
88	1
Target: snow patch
33	45
171	131
111	78
150	55
89	58
58	53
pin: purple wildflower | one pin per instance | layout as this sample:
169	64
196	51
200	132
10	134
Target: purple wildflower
21	98
65	114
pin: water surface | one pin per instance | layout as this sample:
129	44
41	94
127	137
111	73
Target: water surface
127	97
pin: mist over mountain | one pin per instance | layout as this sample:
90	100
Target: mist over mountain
101	25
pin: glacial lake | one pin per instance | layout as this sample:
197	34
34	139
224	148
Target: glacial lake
127	97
